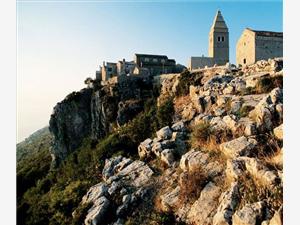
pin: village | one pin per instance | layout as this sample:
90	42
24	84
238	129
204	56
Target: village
252	46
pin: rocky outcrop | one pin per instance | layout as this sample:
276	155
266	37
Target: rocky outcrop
92	111
124	179
229	200
202	211
241	146
70	123
168	143
250	214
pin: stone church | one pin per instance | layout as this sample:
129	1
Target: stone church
218	51
256	45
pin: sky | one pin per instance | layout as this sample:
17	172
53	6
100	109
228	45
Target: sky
60	43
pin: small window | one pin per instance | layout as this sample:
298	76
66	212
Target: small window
147	60
244	61
219	38
163	61
223	38
109	69
155	60
244	43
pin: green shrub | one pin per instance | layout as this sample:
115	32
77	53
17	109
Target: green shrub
165	113
201	133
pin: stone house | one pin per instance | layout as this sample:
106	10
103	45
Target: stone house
125	68
156	64
109	70
256	45
218	49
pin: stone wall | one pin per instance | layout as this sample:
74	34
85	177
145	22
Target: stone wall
268	47
245	48
200	62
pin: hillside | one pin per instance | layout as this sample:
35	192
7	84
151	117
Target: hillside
204	147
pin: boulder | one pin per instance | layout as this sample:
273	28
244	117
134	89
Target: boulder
188	112
259	171
250	214
170	199
278	132
229	90
202	210
144	149
228	203
110	166
241	146
276	95
167	156
178	127
97	214
95	192
235	106
164	133
230	121
193	160
235	168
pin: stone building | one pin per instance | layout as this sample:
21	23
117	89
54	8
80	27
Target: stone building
125	68
256	45
109	70
218	49
156	64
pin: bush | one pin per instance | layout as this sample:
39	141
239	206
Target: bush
165	113
191	185
201	133
267	84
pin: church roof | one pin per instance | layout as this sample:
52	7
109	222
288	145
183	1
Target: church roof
266	33
219	21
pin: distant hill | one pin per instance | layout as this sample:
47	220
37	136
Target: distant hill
34	142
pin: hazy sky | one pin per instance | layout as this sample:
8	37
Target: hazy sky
62	43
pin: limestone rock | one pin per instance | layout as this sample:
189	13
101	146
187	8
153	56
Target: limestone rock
228	203
250	214
278	132
257	169
188	112
170	199
167	156
96	215
178	127
238	147
144	149
235	168
193	160
70	123
95	192
164	133
230	121
202	210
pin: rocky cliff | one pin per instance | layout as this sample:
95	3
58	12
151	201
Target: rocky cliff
92	113
220	162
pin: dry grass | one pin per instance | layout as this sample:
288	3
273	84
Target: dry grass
181	102
191	185
204	136
251	191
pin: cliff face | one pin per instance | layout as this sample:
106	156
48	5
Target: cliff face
92	112
70	122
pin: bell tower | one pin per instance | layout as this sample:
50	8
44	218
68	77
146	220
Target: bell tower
219	40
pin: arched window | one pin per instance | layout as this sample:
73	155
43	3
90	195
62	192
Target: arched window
223	38
244	61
